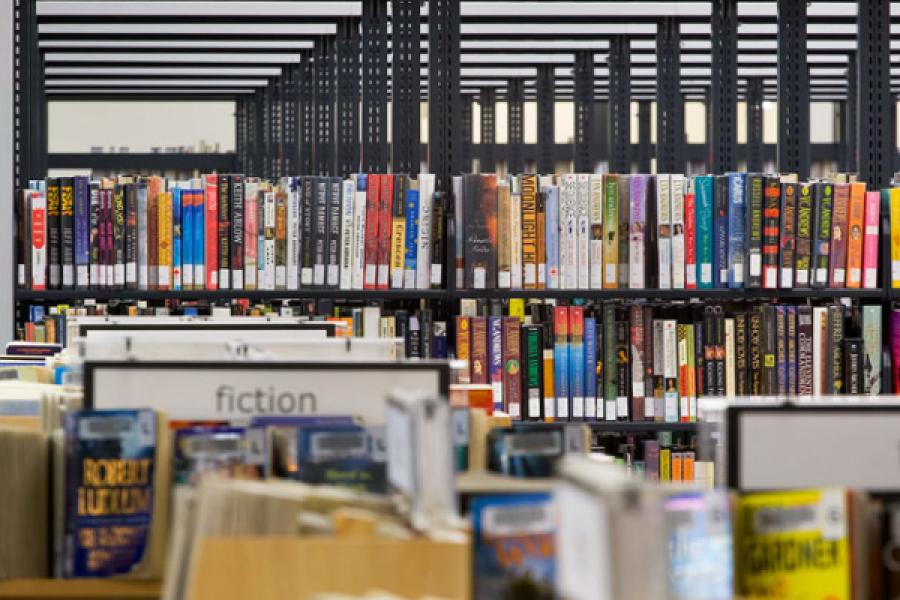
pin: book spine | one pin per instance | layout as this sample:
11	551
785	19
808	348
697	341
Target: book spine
373	203
177	195
154	190
307	190
82	242
709	353
541	224
459	238
211	246
165	240
269	220
333	246
438	232
788	231
95	234
737	221
836	358
551	236
576	361
755	353
236	205
479	350
623	370
754	194
37	207
504	236
529	231
681	340
676	187
411	231
347	237
771	222
703	211
872	222
622	232
54	240
360	234
200	258
649	359
872	346
791	342
561	361
822	241
670	369
664	233
741	381
839	220
261	241
426	346
568	275
720	231
770	350
224	247
803	248
512	360
583	231
464	348
398	235
610	232
532	357
690	241
281	235
496	332
852	370
23	245
855	224
118	236
187	238
638	361
67	230
292	235
821	361
590	368
636	228
423	235
804	351
515	234
251	236
320	225
384	231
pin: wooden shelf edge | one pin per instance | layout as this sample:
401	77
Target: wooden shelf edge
80	589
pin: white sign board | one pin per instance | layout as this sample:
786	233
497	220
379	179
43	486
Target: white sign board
804	447
204	391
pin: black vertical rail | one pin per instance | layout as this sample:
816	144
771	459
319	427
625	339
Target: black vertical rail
876	104
669	109
515	125
405	87
546	106
276	125
755	124
584	149
723	95
240	134
467	124
645	146
444	102
29	102
306	116
259	132
839	129
851	123
793	89
268	144
619	105
290	111
325	106
601	120
348	96
488	101
374	91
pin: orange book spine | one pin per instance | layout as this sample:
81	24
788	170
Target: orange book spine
855	230
677	466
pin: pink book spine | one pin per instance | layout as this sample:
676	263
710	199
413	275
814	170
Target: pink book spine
870	240
251	231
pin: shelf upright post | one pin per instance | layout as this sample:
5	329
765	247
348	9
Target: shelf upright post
14	169
723	92
619	104
406	87
584	149
793	89
306	115
850	138
240	133
259	132
467	122
268	153
546	106
515	137
276	120
444	102
347	96
290	109
325	106
488	101
645	147
876	104
755	124
374	86
669	109
601	125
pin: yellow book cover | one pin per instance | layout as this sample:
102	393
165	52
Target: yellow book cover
517	308
665	464
611	232
165	240
895	235
529	231
793	544
398	249
504	237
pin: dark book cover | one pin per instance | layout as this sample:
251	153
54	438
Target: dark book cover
438	231
154	192
440	340
623	366
23	238
852	365
741	371
624	197
720	232
700	366
720	353
771	224
82	209
281	235
512	366
835	349
754	195
514	546
234	452
754	352
770	350
95	234
110	464
781	357
236	189
651	239
224	232
119	234
54	235
532	371
320	230
479	350
525	449
307	230
332	271
610	368
710	363
426	336
803	246
840	219
480	210
791	340
131	234
789	193
67	231
414	337
804	350
343	455
822	205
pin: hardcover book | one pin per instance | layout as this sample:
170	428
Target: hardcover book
576	361
551	202
343	455
54	241
67	231
236	205
611	232
636	232
770	234
720	231
504	236
855	232
789	195
512	366
840	219
690	241
529	185
754	195
480	199
822	203
679	242
224	232
871	234
211	203
568	242
596	223
803	247
622	237
664	232
737	229
411	230
424	240
384	231
704	222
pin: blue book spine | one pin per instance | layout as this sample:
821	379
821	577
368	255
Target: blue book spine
590	368
82	210
412	234
737	215
187	234
561	379
495	359
720	209
176	239
551	236
199	238
703	218
576	378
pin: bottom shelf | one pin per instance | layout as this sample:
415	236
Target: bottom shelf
80	589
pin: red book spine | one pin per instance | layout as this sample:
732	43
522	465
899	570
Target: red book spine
771	233
384	231
211	211
512	372
479	350
690	243
373	196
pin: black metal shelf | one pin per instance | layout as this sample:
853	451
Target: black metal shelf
717	294
643	426
303	294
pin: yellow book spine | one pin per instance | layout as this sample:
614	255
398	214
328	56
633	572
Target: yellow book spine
549	390
611	232
517	308
165	240
665	464
398	250
529	231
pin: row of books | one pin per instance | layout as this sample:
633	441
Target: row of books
738	230
637	362
231	232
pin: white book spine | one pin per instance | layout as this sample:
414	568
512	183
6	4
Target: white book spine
730	373
596	233
423	254
670	367
347	254
583	210
676	187
568	242
637	226
359	232
269	246
515	232
664	227
293	240
820	325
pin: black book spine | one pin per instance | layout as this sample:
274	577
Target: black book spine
648	363
823	195
835	348
651	246
401	328
852	370
22	237
771	237
119	235
710	385
95	234
224	233
700	367
332	276
438	217
54	241
307	231
720	353
320	222
804	350
415	335
781	377
803	246
755	352
769	341
623	368
67	231
131	236
741	379
791	340
236	189
532	373
720	227
426	327
754	196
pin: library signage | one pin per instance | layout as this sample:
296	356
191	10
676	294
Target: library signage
216	391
